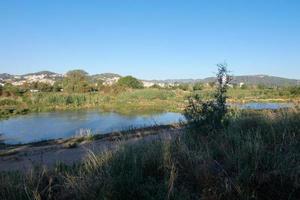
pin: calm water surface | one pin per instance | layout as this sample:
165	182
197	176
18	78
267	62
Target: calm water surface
53	125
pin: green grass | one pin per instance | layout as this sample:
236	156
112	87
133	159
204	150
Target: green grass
129	101
256	157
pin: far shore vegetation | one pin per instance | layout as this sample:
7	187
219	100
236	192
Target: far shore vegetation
128	95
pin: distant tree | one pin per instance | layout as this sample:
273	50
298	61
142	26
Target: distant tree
1	90
295	90
11	90
197	86
212	84
261	86
76	81
45	87
184	86
57	86
97	85
156	86
131	82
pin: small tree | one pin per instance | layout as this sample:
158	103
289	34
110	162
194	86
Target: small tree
76	81
131	82
197	86
209	115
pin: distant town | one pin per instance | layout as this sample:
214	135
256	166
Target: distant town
111	78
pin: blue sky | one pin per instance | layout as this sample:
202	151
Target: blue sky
151	39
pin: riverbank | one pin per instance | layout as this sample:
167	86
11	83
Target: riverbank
148	100
255	157
24	157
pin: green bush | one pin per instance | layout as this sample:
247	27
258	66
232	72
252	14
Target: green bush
131	82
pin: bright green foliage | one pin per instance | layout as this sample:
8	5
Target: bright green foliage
76	81
131	82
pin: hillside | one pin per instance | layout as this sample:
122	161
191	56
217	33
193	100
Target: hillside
259	80
110	78
246	79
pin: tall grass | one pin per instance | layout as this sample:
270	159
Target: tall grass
127	101
257	156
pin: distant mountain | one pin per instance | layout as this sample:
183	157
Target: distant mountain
46	73
259	80
42	76
5	76
105	76
110	78
246	79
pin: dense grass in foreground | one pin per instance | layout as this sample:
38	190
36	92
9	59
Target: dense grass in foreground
257	156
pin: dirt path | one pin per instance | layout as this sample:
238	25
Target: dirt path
48	155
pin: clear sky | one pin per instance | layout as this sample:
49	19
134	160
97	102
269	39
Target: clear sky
151	39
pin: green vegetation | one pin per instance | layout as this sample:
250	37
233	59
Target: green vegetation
198	86
78	90
125	100
130	82
76	81
209	115
237	154
255	157
144	100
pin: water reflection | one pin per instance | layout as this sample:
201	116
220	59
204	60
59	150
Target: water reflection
53	125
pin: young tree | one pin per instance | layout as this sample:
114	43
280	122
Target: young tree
209	115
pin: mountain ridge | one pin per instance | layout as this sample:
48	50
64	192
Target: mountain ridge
245	79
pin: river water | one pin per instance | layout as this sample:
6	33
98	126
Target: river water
53	125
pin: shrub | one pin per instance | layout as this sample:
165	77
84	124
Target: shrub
210	114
